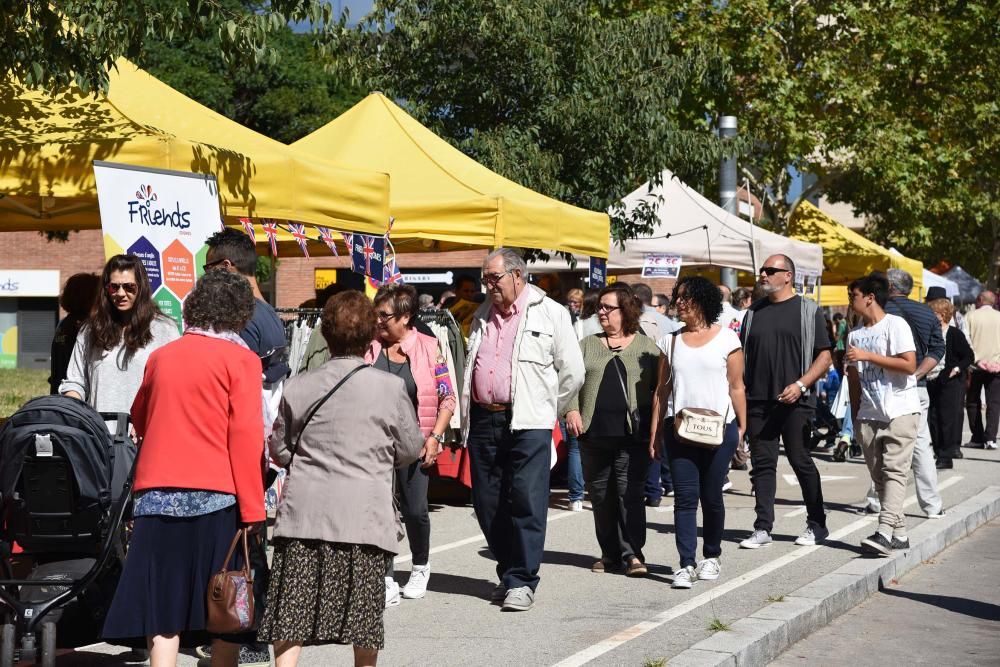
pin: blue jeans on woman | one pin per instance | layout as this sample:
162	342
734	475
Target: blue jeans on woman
698	474
574	467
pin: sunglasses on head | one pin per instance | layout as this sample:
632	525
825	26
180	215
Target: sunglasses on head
771	270
130	288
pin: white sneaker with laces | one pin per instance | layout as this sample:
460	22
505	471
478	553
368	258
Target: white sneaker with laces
812	536
416	585
391	593
576	506
759	538
709	569
990	445
685	578
726	485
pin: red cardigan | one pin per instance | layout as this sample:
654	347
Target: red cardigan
199	414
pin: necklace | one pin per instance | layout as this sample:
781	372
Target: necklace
399	365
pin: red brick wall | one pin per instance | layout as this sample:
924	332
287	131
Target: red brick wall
84	251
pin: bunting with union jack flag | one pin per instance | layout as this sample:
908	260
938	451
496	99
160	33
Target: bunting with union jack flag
299	233
326	236
271	230
248	228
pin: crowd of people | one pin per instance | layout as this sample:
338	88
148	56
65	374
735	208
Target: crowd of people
656	395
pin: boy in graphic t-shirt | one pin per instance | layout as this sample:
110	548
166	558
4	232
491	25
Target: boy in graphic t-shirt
881	360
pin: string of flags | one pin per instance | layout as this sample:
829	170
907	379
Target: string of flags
371	256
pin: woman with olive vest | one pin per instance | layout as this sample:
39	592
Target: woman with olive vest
400	349
611	417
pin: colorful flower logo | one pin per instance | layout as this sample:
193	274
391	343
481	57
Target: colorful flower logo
146	192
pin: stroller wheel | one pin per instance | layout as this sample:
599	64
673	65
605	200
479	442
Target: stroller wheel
7	645
48	645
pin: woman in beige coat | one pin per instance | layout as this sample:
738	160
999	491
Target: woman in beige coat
336	527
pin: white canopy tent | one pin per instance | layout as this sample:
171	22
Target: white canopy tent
702	233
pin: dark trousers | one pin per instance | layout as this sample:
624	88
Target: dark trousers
769	422
658	479
979	381
614	472
510	492
411	489
945	417
698	474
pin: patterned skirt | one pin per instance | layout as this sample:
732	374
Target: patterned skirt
325	593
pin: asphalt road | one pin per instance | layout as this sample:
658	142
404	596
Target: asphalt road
607	619
945	612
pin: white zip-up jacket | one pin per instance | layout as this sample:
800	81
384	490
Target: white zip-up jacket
547	364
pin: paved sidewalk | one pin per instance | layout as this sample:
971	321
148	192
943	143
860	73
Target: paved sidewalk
945	612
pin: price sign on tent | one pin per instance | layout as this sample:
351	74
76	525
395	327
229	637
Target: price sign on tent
661	265
598	272
368	255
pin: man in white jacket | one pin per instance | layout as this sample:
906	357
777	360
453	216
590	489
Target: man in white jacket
524	365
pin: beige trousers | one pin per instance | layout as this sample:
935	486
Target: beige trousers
888	449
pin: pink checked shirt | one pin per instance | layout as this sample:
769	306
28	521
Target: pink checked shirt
491	380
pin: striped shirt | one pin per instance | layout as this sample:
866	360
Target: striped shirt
491	376
925	326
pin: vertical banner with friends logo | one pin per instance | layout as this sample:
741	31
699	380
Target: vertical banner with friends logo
164	218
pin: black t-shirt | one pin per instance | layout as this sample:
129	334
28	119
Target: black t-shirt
774	347
265	335
611	409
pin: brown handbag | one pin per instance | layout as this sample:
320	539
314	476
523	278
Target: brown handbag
230	603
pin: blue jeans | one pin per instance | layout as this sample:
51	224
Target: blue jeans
510	492
574	466
848	426
699	473
658	479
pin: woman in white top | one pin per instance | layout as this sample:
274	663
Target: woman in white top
702	367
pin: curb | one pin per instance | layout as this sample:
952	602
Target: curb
765	634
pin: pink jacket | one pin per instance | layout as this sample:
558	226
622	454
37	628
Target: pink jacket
430	372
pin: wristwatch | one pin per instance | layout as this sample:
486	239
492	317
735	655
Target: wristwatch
802	387
439	437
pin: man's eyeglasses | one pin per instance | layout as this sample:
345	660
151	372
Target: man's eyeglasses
494	278
606	308
771	270
384	316
130	288
208	267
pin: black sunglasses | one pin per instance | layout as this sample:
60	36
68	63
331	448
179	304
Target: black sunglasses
771	270
207	267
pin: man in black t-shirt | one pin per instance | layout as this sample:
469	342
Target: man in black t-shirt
785	356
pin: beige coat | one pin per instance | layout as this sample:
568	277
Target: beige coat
339	485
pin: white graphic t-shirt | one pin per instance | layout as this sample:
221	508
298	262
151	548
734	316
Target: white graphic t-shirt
885	394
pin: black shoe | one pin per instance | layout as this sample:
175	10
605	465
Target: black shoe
958	455
877	545
944	464
855	451
652	502
898	544
741	466
840	453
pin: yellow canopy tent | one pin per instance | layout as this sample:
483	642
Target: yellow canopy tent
49	142
444	200
846	254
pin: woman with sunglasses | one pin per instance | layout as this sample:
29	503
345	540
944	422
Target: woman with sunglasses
399	349
111	350
611	417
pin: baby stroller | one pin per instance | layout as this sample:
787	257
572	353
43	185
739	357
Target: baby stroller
65	483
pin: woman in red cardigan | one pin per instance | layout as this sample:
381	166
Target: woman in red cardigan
199	476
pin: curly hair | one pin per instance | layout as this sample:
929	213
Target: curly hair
943	308
402	297
220	301
702	294
348	324
109	326
629	306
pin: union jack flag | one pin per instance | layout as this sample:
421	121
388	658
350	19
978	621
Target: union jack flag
271	229
348	239
326	235
390	272
299	232
248	228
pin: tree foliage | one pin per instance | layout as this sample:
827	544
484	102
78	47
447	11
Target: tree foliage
889	106
551	94
285	99
52	44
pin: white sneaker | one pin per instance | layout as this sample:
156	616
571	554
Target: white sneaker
990	445
684	578
726	485
812	536
939	515
759	538
391	593
709	569
576	506
416	585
